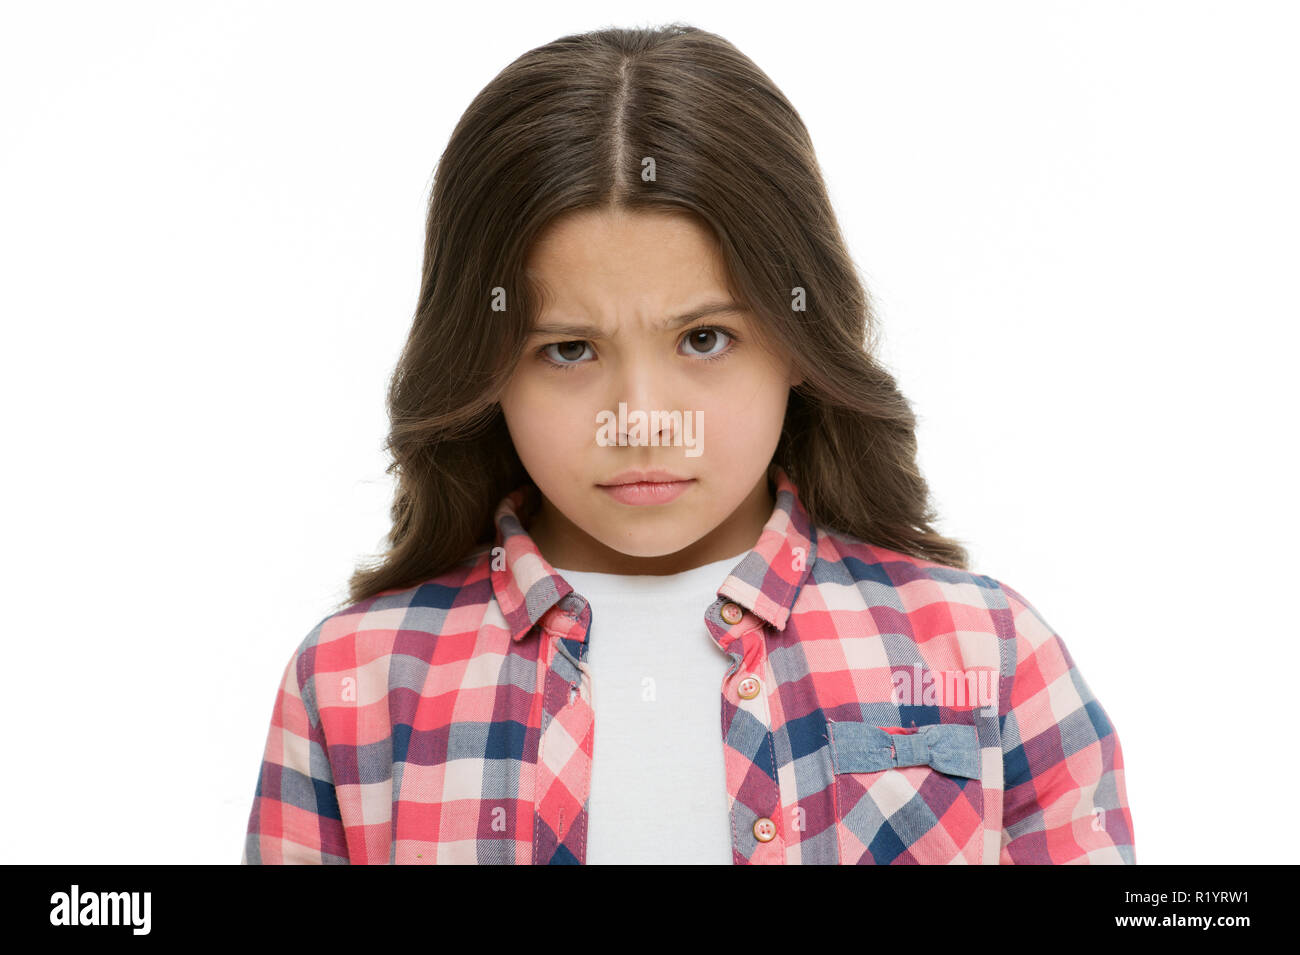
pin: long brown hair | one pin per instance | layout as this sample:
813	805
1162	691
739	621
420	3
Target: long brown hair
674	120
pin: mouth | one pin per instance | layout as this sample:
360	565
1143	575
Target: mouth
646	487
644	477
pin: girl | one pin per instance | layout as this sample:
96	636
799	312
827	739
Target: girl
649	474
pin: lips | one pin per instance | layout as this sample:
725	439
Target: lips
646	487
644	477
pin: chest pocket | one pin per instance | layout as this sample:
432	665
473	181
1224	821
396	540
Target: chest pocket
907	796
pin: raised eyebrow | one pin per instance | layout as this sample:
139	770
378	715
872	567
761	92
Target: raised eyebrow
592	333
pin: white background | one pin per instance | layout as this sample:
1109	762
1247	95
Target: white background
1078	222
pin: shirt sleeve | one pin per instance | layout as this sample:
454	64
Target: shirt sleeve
295	817
1064	799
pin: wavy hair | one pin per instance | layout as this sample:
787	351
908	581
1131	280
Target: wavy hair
568	127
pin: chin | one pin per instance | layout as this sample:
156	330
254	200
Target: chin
648	545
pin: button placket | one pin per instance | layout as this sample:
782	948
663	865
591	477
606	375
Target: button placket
568	716
747	729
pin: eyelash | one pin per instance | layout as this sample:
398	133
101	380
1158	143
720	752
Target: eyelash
568	366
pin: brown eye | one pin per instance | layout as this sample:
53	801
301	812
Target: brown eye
706	342
565	354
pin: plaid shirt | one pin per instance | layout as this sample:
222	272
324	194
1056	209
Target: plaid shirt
878	708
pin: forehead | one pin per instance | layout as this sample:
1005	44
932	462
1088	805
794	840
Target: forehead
609	264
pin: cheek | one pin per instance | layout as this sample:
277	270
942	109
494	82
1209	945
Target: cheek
738	436
743	412
523	415
546	423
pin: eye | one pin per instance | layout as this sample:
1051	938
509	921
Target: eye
564	354
707	342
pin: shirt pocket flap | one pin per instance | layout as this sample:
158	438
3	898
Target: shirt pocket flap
951	748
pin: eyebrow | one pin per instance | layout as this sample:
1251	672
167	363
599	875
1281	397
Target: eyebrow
592	333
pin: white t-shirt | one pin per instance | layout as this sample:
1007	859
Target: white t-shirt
658	783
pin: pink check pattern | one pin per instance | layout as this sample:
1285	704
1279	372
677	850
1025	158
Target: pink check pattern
451	722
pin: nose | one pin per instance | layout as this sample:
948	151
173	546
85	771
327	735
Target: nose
646	390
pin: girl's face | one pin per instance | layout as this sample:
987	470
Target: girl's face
623	374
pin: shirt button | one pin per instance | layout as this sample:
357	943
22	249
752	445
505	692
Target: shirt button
732	612
764	829
748	688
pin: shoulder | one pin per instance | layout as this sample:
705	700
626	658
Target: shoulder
406	620
934	598
889	577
